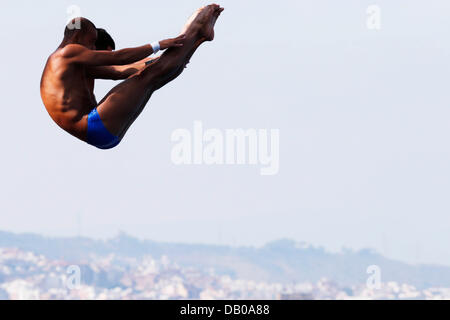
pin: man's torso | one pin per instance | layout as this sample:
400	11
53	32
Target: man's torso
67	94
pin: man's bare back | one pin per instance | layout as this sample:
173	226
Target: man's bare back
66	92
66	86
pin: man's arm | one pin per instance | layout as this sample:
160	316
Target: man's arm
118	72
82	55
110	72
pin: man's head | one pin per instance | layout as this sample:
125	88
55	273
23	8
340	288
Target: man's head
81	31
104	41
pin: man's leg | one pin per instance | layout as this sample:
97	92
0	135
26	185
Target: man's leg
123	104
161	83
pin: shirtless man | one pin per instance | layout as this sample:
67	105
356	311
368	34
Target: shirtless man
65	81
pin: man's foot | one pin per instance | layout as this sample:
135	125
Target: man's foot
203	21
208	27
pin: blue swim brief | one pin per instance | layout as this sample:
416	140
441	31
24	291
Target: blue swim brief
98	135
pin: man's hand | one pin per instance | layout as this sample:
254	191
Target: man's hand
172	43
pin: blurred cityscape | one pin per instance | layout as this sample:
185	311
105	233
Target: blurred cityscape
26	275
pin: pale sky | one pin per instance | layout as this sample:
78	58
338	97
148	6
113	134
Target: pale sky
363	115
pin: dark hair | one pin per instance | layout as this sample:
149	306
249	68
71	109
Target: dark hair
78	25
104	40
